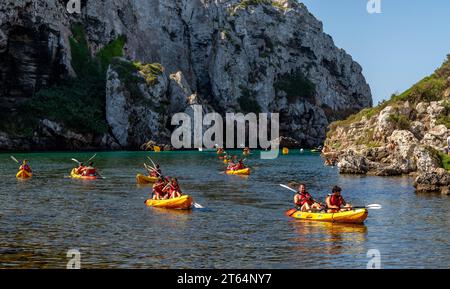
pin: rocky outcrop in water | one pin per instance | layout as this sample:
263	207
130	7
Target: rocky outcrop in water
405	135
239	55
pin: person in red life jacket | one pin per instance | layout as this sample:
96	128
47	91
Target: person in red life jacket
80	169
158	189
173	189
240	165
25	166
304	200
335	202
90	170
155	172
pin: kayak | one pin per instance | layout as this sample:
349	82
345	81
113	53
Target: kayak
245	171
142	180
74	175
356	216
181	203
23	174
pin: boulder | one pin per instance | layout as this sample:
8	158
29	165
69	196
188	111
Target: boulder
434	181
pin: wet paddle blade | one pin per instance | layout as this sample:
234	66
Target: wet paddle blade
198	206
14	159
374	207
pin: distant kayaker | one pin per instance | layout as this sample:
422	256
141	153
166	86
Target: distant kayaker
335	202
158	189
246	151
155	172
90	170
80	169
173	189
239	166
304	200
25	166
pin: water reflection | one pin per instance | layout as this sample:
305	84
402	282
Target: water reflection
322	242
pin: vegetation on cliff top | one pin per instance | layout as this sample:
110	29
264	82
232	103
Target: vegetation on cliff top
435	87
79	102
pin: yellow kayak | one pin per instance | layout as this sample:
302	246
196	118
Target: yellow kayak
356	216
23	174
245	171
181	203
142	180
74	175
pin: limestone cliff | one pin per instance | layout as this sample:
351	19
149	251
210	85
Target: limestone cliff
233	55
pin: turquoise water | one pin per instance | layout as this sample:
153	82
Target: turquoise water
242	226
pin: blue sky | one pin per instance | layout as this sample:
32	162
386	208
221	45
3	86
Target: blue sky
396	48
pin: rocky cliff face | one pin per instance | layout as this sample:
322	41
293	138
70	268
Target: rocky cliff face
405	135
238	55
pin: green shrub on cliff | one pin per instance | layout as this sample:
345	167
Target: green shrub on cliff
444	117
296	86
79	102
247	101
400	121
132	74
445	160
431	88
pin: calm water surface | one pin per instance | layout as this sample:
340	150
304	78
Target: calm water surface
243	225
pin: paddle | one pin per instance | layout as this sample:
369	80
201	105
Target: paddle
371	206
91	158
291	189
14	159
151	161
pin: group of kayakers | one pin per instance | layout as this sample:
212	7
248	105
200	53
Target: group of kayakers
334	202
165	187
234	165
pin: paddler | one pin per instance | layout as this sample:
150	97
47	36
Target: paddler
246	151
240	165
158	189
335	202
80	169
304	200
155	172
90	170
25	166
173	189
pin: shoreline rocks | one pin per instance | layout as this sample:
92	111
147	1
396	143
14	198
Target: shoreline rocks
399	139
